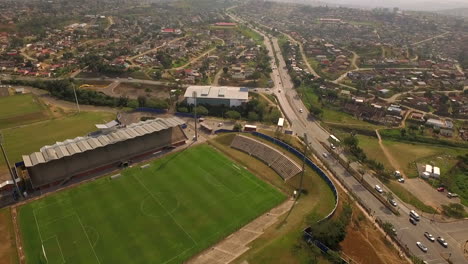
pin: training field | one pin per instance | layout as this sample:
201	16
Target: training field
20	109
166	213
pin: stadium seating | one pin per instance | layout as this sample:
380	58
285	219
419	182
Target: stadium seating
280	163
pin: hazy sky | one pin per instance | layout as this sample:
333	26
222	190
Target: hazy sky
406	4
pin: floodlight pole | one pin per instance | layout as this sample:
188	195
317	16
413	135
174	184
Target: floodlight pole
8	164
76	98
194	95
303	163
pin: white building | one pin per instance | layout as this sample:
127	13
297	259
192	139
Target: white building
217	95
436	172
428	169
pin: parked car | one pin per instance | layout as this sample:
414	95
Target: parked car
393	202
452	195
332	146
325	155
429	236
421	246
401	180
442	241
414	222
300	110
378	189
440	189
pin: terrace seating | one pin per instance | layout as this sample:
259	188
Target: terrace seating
280	163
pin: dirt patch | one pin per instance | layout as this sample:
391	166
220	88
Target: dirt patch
8	252
366	245
133	90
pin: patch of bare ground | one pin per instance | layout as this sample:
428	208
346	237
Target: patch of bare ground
365	244
8	254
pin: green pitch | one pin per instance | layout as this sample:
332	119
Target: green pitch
166	213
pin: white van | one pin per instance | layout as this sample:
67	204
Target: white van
414	215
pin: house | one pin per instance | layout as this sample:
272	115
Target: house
217	95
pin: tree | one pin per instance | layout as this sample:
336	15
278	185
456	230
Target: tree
201	110
225	70
141	101
388	228
157	75
237	127
233	115
454	210
351	141
403	132
252	116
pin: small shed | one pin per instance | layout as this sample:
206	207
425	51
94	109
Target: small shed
428	169
436	172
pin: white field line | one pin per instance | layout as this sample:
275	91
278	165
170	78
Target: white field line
89	241
176	256
58	244
170	214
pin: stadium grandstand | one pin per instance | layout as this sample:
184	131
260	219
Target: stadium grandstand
280	163
100	151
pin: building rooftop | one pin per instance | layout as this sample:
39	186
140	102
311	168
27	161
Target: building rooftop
218	92
70	147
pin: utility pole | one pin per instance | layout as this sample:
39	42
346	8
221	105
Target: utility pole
194	95
8	164
303	164
76	98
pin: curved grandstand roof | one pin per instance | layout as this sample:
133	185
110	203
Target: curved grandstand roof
70	147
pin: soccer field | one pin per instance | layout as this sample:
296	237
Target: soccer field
166	213
20	109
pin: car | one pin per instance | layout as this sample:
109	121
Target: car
220	124
279	91
394	232
378	189
452	195
300	110
401	180
442	241
325	155
332	146
429	236
440	189
413	221
421	246
393	202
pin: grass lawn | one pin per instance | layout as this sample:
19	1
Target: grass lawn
20	109
407	155
252	35
27	139
408	197
166	213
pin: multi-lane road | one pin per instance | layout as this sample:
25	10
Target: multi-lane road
456	233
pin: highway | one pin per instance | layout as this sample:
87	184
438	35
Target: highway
302	123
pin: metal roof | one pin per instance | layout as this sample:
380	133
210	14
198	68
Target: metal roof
70	147
222	92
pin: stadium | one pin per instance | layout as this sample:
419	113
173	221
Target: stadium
108	148
167	210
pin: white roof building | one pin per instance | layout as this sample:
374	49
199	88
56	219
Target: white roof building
217	95
428	168
436	173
